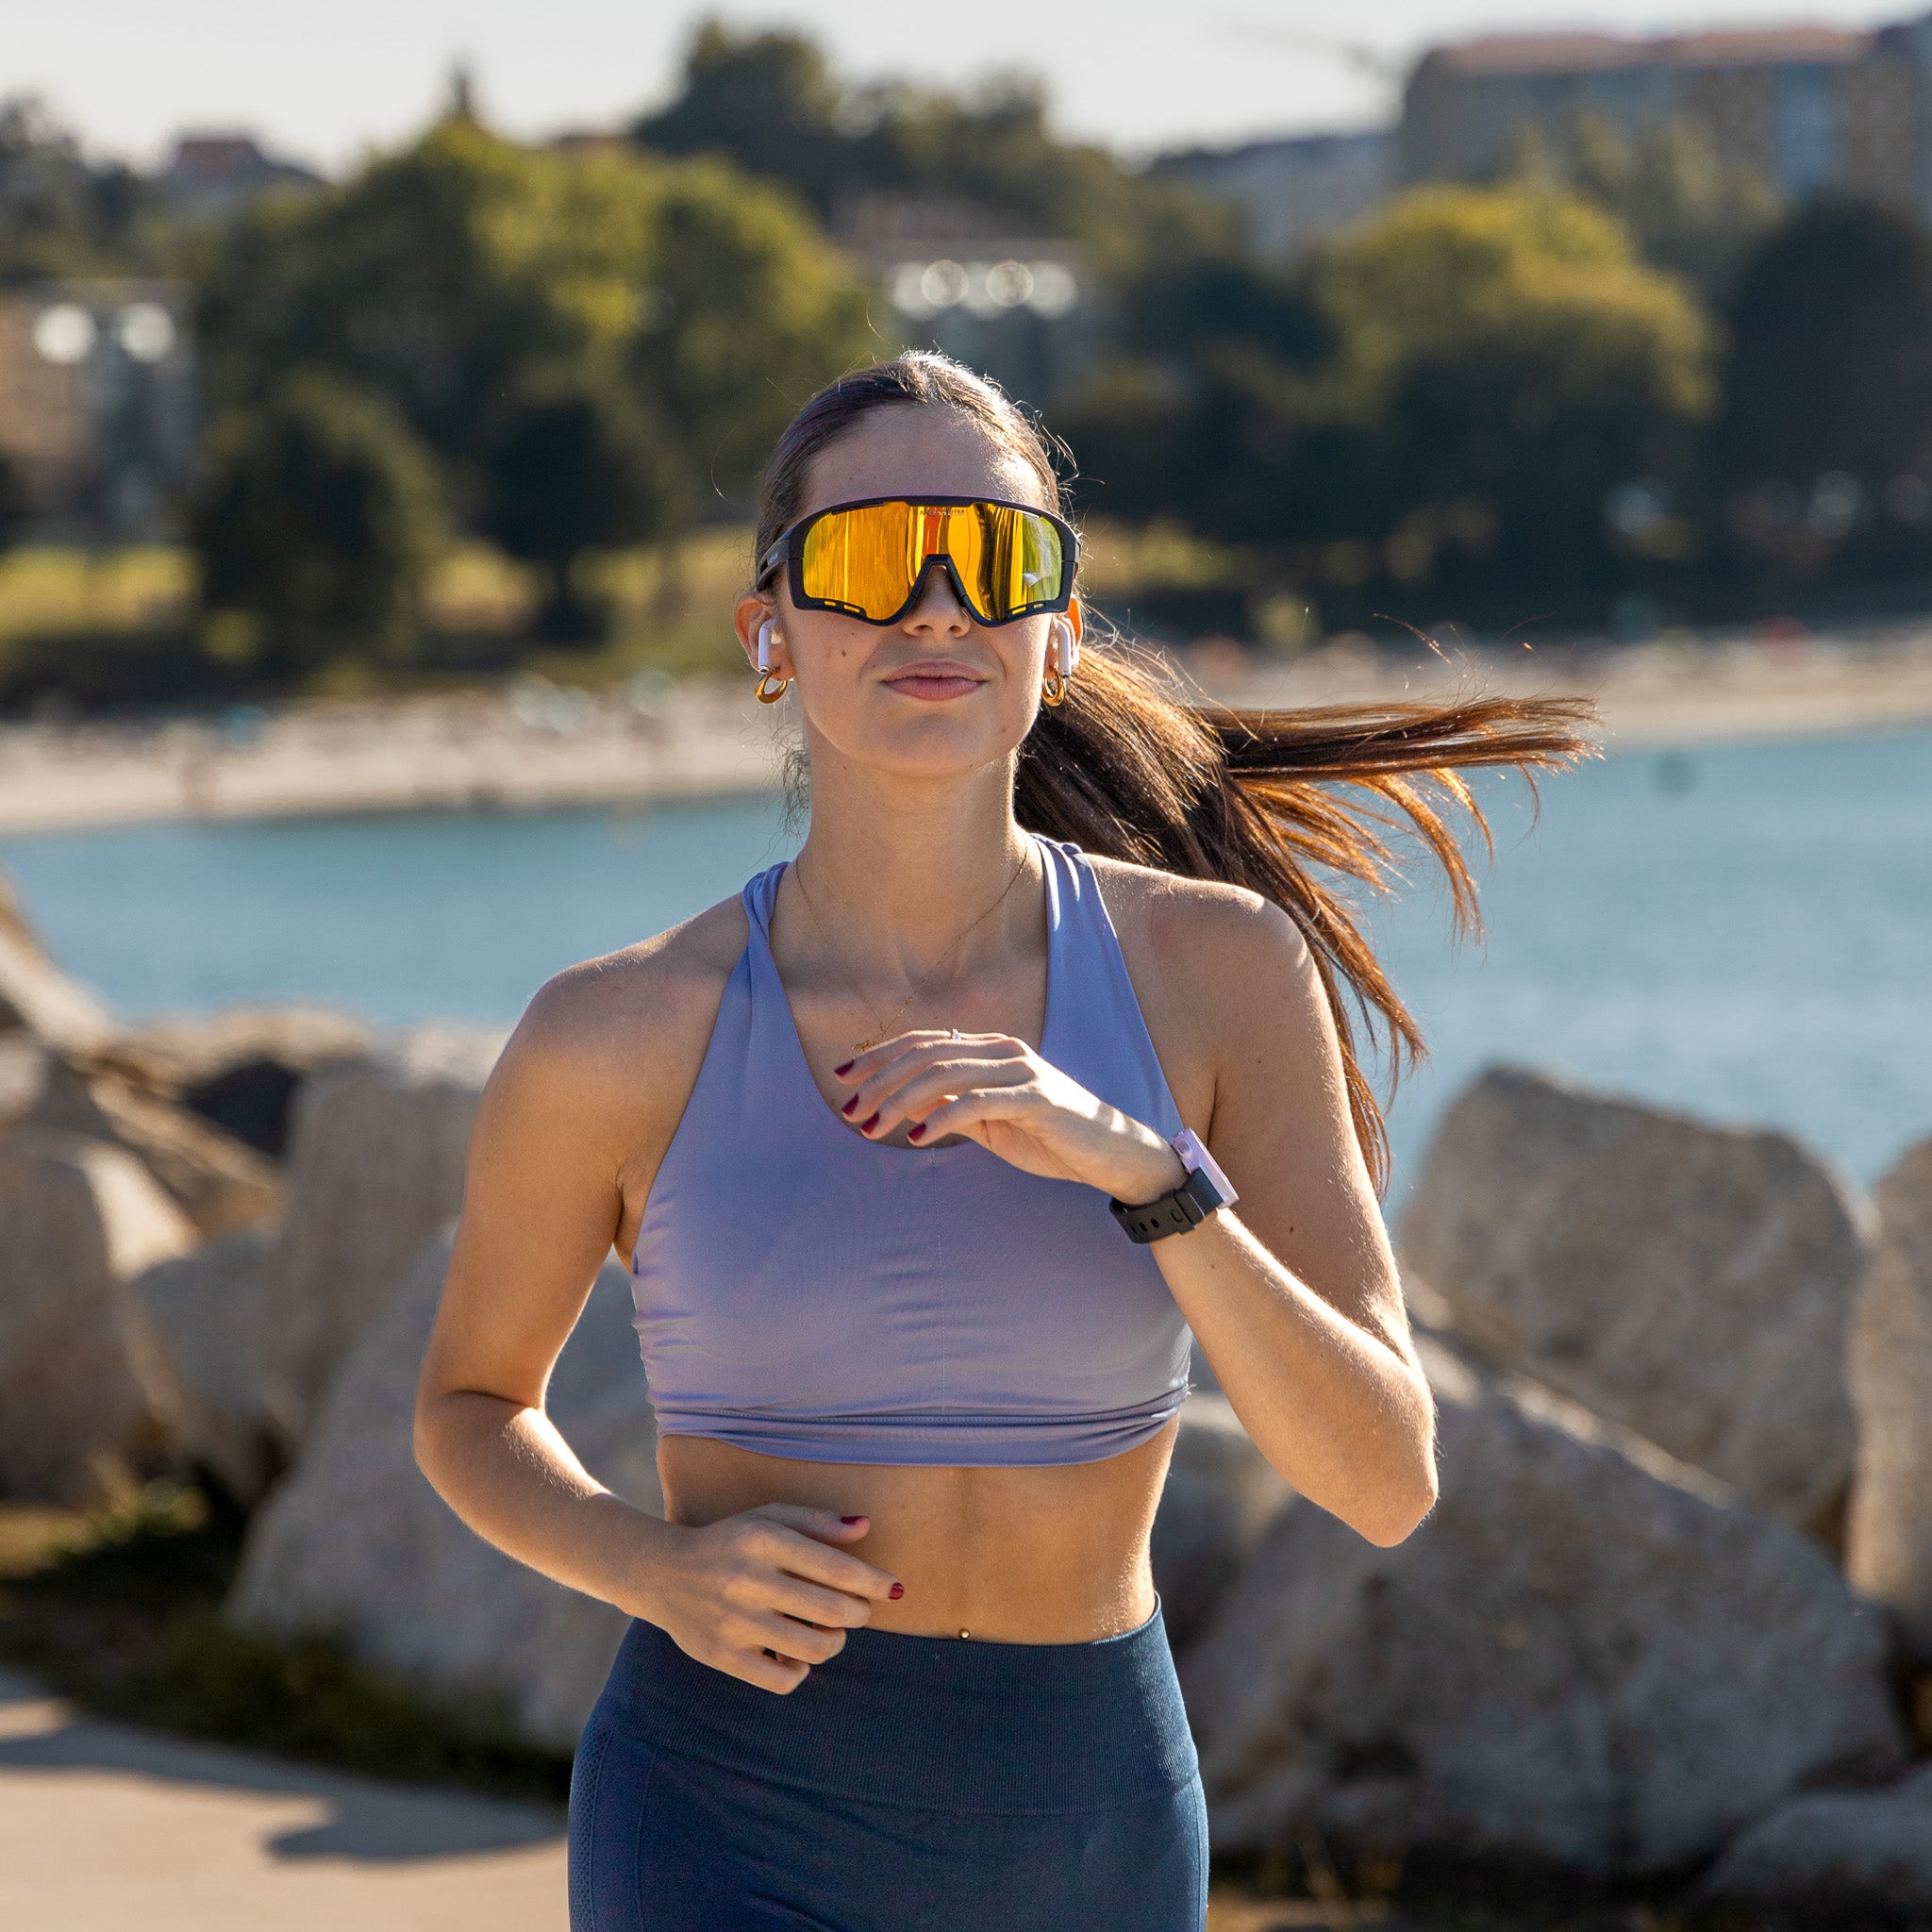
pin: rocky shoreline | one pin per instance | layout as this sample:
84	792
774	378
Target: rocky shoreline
531	744
1671	1623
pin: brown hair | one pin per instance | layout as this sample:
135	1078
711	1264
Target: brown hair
1126	767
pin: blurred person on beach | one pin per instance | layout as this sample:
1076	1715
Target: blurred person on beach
933	1153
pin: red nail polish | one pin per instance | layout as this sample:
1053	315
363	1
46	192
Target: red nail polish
852	1519
846	1068
846	1109
897	1590
916	1130
869	1125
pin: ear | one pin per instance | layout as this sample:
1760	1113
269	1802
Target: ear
750	618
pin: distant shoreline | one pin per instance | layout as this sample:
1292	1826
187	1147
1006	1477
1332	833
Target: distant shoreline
527	747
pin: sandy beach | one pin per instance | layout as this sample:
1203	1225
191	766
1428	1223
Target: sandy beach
532	745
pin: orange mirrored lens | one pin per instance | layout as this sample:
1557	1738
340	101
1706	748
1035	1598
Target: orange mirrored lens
867	559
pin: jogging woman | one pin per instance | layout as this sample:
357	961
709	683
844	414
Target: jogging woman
929	1152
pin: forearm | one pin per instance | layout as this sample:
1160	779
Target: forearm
1342	1412
508	1472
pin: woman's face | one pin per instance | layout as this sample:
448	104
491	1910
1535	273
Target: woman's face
936	694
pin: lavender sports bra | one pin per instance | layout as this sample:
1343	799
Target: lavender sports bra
803	1291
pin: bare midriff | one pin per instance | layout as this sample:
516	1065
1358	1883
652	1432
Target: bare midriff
1012	1555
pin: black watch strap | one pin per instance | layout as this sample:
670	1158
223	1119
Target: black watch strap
1177	1213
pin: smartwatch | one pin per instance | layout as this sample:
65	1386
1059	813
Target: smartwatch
1185	1208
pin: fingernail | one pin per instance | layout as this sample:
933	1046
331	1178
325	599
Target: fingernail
846	1068
913	1132
852	1519
869	1125
846	1109
897	1590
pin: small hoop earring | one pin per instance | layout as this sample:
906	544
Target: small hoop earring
1053	690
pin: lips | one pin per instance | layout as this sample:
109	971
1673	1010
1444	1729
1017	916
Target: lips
934	680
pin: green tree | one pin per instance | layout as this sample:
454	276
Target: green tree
453	274
62	214
573	465
315	523
1690	212
1831	358
1501	362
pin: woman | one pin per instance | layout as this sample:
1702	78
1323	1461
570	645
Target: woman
909	1148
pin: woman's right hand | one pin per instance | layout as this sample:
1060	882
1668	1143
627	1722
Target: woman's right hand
765	1595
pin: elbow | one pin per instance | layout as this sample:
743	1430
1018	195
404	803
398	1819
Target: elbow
1399	1512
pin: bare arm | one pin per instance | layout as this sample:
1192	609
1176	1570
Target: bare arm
1293	1293
542	1205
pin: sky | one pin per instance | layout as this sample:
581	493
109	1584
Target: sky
323	84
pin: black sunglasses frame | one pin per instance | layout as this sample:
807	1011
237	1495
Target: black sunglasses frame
790	551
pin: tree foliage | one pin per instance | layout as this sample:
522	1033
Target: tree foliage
315	523
62	215
771	101
573	464
1483	367
444	274
1831	359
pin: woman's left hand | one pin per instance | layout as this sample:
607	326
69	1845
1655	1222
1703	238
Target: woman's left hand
994	1089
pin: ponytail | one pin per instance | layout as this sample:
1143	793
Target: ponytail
1127	768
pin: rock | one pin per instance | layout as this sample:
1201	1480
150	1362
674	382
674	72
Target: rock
1889	1366
1584	1657
1827	1853
1221	1498
35	996
217	1182
357	1543
212	1310
377	1154
86	1403
1691	1282
239	1069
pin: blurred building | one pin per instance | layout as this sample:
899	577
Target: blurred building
1809	108
1295	191
956	277
98	411
215	177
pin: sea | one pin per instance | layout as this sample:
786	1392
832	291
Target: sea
1741	932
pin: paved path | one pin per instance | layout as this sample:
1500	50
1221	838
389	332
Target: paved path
104	1827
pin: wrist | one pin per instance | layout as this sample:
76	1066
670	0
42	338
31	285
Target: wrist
1155	1170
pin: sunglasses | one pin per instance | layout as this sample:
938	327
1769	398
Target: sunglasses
1007	560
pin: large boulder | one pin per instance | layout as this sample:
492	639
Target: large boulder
1221	1497
213	1312
1689	1281
1888	1529
355	1543
216	1181
86	1402
240	1067
377	1153
1825	1854
36	996
1584	1658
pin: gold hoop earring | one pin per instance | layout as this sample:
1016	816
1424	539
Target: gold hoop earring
770	686
1053	689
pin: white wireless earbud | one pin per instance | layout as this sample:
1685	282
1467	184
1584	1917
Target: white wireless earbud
1066	649
765	634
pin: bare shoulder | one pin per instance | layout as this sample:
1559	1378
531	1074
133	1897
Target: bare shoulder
622	1036
1226	983
1202	937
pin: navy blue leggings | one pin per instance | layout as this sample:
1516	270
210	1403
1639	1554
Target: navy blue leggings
912	1782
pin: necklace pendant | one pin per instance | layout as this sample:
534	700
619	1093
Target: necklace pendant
862	1045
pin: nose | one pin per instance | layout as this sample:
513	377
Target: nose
938	606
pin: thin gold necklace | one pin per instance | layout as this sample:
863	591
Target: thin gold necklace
883	1027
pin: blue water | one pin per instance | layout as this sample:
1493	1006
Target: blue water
1743	931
